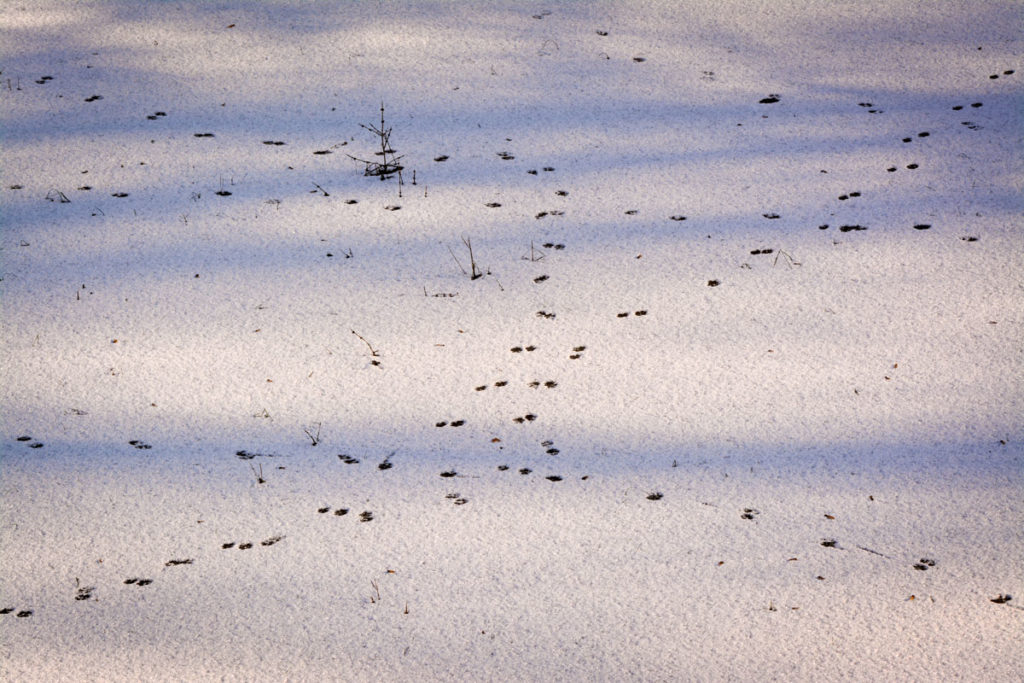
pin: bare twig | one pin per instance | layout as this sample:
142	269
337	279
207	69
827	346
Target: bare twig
373	351
534	256
315	438
386	168
791	261
472	262
457	261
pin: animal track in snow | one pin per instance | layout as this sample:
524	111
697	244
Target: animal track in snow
520	349
922	134
550	447
248	544
246	455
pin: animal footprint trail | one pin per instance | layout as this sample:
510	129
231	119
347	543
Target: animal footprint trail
135	581
249	545
924	564
500	383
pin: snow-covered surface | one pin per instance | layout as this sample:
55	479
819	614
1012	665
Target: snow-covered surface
831	414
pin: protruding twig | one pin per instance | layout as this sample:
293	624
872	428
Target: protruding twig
457	261
373	351
385	168
472	262
791	262
315	438
534	256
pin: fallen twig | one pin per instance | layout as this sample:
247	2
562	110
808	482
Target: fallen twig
373	351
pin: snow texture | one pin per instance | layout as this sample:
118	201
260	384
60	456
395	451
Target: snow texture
737	394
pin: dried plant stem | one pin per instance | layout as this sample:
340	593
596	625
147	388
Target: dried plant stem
373	351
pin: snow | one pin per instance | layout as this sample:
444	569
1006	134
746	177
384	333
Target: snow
810	469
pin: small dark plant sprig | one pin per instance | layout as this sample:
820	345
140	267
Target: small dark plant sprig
474	272
389	164
313	432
